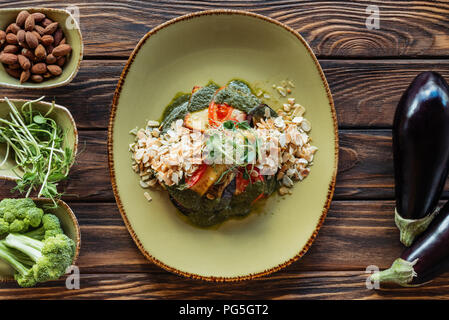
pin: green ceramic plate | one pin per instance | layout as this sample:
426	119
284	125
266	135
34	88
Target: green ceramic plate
60	114
191	50
68	223
71	31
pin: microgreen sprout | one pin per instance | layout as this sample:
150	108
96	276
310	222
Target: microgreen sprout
36	141
234	143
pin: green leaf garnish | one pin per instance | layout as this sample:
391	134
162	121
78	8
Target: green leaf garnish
230	125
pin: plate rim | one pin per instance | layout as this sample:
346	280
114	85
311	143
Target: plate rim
115	101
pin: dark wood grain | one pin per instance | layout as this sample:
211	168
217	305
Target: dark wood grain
365	92
292	285
365	168
333	28
356	234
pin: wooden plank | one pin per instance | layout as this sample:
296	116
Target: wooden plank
88	96
365	168
330	285
333	28
365	92
355	234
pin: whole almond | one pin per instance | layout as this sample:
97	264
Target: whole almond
21	17
54	69
14	66
62	50
2	37
13	72
24	62
10	48
12	28
61	61
29	54
39	29
50	49
21	36
39	68
40	52
31	40
47	75
36	78
24	76
51	28
37	35
51	59
11	38
38	16
8	58
29	23
58	37
47	40
63	41
46	22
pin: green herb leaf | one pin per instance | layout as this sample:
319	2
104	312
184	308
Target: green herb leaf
230	125
244	125
39	119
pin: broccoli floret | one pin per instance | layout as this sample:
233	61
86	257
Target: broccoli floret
50	227
4	226
17	215
50	258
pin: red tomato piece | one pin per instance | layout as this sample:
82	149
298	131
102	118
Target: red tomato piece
219	113
193	179
241	183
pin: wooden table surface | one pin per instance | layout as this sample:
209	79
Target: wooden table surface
367	71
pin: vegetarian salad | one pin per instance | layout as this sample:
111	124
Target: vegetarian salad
219	150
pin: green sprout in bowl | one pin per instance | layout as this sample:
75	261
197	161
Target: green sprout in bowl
36	141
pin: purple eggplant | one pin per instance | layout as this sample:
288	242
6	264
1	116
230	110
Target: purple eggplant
425	259
421	153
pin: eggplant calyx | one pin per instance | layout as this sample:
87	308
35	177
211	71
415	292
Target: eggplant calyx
411	228
400	272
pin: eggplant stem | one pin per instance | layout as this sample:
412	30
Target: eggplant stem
411	228
401	272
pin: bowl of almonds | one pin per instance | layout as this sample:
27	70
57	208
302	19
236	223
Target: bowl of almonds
39	48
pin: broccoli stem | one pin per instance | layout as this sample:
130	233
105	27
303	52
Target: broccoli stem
6	255
38	234
30	247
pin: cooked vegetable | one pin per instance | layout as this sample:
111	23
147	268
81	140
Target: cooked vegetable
17	215
193	179
219	113
37	144
246	176
208	178
421	153
197	120
262	111
425	259
49	259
